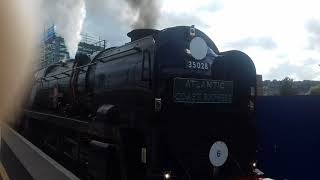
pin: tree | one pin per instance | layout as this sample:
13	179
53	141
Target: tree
286	87
314	90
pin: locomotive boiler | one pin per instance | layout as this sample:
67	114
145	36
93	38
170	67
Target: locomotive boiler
167	105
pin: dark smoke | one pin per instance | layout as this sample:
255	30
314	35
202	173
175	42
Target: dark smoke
148	12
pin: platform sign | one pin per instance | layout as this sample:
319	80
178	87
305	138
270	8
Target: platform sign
189	90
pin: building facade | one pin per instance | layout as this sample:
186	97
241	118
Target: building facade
259	85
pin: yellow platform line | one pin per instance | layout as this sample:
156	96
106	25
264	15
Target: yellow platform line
3	172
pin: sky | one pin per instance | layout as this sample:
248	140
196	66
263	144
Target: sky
281	37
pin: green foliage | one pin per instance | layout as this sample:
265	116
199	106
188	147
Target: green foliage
315	90
286	87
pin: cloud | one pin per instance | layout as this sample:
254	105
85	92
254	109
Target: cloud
310	70
171	19
188	12
313	28
266	43
107	19
276	41
212	6
191	6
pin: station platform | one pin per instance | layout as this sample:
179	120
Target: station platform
21	160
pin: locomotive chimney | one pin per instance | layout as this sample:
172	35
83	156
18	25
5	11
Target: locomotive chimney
141	33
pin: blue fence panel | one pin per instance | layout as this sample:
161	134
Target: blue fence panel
289	136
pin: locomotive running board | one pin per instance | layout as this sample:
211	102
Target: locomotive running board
70	123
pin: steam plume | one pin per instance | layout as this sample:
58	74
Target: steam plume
147	11
68	17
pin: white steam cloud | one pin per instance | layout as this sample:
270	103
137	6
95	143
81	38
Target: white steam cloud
68	17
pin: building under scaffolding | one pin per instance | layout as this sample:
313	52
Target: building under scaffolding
90	44
53	48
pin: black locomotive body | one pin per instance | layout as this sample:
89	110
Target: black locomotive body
157	106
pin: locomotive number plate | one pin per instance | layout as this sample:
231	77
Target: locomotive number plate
187	90
197	65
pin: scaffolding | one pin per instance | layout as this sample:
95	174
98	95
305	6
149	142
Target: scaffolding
90	44
53	48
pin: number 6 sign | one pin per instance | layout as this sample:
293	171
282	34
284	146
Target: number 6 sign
218	154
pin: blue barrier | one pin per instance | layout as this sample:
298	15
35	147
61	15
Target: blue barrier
289	136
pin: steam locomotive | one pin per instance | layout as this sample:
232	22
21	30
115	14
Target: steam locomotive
167	105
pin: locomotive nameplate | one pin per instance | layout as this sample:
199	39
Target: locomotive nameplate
187	90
